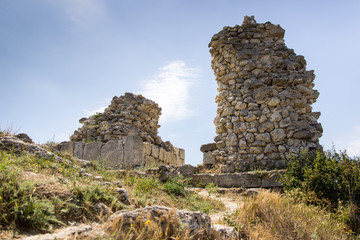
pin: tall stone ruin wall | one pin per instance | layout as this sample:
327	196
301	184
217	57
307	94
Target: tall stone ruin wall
264	99
124	135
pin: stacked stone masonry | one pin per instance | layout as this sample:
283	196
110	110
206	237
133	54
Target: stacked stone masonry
124	135
264	99
127	115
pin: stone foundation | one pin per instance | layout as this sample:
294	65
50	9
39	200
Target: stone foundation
235	180
126	153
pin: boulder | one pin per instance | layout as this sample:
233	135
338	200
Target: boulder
198	224
187	170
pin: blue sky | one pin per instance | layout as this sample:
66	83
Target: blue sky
61	60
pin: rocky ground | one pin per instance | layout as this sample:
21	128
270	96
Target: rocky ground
231	198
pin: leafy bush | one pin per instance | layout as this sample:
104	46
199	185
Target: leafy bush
176	186
328	179
18	206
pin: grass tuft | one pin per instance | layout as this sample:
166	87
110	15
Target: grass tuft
270	215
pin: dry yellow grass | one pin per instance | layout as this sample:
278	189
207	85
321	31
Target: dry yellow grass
166	227
270	215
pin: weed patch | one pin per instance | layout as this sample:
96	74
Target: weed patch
273	216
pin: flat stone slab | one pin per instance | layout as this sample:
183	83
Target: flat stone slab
265	179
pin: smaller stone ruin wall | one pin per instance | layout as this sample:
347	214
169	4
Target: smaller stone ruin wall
127	115
124	135
264	99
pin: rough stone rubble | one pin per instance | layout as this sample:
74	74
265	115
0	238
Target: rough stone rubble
264	99
126	115
124	135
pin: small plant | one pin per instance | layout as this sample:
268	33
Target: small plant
259	172
98	115
19	207
9	131
201	185
177	186
89	140
229	220
211	188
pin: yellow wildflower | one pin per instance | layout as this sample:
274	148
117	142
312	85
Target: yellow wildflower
147	222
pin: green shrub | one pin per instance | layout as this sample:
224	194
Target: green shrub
19	207
176	186
89	195
211	188
146	185
328	179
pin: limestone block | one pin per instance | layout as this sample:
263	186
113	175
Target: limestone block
276	116
112	153
162	154
272	179
274	101
168	157
208	147
179	161
155	151
208	158
187	170
302	134
231	140
67	147
251	180
78	150
147	147
134	152
182	154
278	135
263	137
229	180
203	179
176	151
92	151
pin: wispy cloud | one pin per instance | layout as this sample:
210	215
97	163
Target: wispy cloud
170	88
350	143
98	109
83	12
94	111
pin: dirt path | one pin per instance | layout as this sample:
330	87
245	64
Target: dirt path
231	200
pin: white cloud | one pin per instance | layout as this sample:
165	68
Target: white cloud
350	143
99	109
94	111
170	88
83	12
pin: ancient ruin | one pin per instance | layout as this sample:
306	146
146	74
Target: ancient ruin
126	115
264	99
124	135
